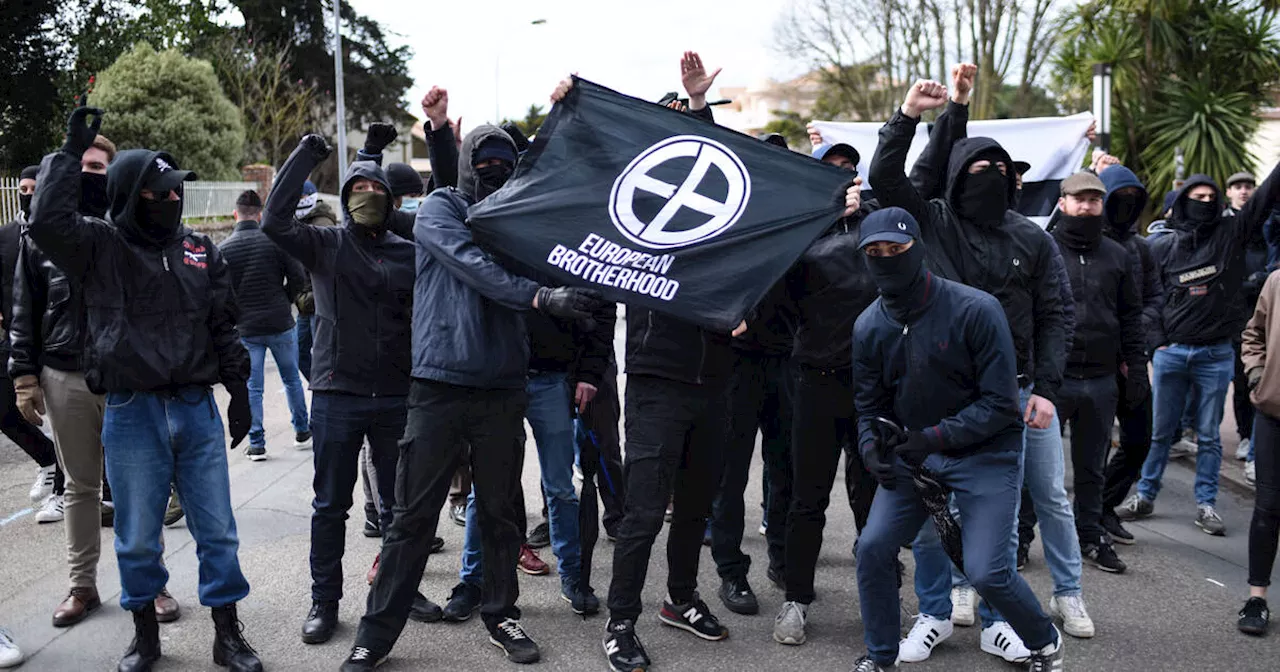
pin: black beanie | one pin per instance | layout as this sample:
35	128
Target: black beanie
29	173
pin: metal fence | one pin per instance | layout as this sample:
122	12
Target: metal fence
203	200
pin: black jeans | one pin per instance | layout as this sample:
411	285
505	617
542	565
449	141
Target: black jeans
1264	531
823	425
340	423
443	421
759	399
27	436
1125	467
675	433
601	417
1240	401
1089	406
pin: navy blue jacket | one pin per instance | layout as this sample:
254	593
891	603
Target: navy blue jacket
952	373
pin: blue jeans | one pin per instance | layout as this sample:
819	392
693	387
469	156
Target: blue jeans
302	329
550	414
1044	470
1204	371
284	349
341	424
154	439
986	488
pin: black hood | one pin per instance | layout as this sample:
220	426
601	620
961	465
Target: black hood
1114	179
468	181
1179	218
968	150
370	171
124	186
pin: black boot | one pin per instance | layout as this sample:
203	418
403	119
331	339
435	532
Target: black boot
144	650
229	648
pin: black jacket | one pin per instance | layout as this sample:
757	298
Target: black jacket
1145	269
48	316
160	314
321	215
10	234
1108	308
1011	259
362	283
567	346
266	280
829	288
1203	267
769	326
951	373
667	347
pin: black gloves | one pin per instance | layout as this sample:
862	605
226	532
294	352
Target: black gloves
316	147
1136	387
379	136
1255	377
568	302
80	135
916	448
878	460
239	417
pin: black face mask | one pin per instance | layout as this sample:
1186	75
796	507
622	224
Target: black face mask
93	195
1017	199
158	220
1080	233
24	203
901	281
1200	212
1123	211
490	179
983	197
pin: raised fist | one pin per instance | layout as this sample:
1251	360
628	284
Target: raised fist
962	77
379	136
923	96
436	106
316	147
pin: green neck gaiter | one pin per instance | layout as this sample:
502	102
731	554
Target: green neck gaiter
368	209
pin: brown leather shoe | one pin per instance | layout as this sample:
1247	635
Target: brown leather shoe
167	610
80	603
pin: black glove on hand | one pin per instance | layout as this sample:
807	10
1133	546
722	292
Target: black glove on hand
568	302
380	135
239	417
1136	387
80	135
878	460
1255	377
916	448
316	147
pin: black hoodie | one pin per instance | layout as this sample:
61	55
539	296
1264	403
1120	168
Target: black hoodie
161	313
1203	265
1012	259
362	282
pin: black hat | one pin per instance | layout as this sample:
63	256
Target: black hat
821	151
517	136
404	180
893	225
1021	167
249	198
29	173
163	177
774	139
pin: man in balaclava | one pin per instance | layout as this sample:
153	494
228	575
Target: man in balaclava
161	331
976	239
1202	261
362	279
313	212
467	398
936	358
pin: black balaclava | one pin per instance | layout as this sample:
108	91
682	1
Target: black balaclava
1017	199
1200	212
491	178
902	280
94	199
1080	232
158	220
983	198
24	200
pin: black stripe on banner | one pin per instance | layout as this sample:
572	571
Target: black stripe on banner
1039	198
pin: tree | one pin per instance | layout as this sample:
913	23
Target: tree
1189	74
164	100
532	121
29	107
790	126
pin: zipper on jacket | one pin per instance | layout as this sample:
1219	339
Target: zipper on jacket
702	360
164	258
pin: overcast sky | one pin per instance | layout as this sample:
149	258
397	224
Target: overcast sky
633	47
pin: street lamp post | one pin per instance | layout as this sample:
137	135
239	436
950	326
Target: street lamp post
341	110
1102	103
497	86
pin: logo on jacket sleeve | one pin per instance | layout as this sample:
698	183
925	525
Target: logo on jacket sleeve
1197	274
702	206
194	255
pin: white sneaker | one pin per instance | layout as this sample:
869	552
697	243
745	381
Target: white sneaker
788	627
10	654
964	605
1075	619
1000	640
1242	451
51	510
927	633
43	487
1250	473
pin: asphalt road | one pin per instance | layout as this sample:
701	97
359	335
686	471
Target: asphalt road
1174	609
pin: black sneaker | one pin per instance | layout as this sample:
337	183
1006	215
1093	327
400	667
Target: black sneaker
463	603
540	537
1103	556
693	617
436	545
458	514
302	440
362	659
372	528
1024	552
321	621
623	648
583	602
777	579
866	664
511	638
1116	530
256	453
611	533
1254	617
425	611
1048	659
738	597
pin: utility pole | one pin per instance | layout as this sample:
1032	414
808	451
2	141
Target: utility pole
337	90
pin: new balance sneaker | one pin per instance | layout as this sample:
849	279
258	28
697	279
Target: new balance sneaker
302	440
1242	451
1250	473
256	453
1116	530
362	659
999	639
1209	522
1075	618
693	617
530	563
964	604
1048	659
1254	617
10	654
43	485
1103	556
788	626
623	648
582	602
927	633
540	536
1136	507
866	664
372	524
51	510
512	639
458	514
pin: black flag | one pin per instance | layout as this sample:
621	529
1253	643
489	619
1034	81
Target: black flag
658	208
